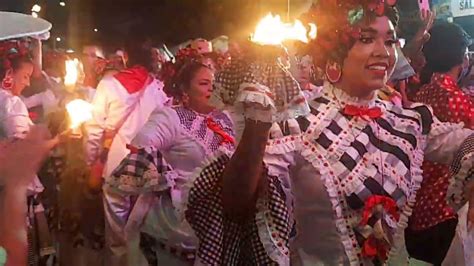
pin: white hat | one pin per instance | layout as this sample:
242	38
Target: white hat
17	25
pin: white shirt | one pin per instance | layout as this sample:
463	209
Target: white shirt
87	92
112	102
15	122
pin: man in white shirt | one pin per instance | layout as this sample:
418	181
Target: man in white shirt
121	106
91	53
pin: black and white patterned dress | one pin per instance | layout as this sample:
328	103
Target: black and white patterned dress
324	176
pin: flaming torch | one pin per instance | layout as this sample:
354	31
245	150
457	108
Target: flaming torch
72	73
259	82
79	112
271	30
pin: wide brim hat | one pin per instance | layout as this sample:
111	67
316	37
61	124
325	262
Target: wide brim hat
17	25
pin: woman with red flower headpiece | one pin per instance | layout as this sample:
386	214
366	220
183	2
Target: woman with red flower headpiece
341	189
163	155
16	69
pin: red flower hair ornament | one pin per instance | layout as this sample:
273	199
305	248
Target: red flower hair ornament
339	25
10	50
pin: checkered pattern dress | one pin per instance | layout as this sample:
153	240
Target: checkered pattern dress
261	86
355	159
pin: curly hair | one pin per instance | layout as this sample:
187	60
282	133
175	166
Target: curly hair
339	24
177	76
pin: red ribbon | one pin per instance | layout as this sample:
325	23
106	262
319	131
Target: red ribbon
132	149
33	116
352	110
389	205
373	248
212	125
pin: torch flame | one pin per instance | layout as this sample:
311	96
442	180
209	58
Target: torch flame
72	72
271	30
79	112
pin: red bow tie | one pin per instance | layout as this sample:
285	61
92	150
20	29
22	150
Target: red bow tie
214	126
363	112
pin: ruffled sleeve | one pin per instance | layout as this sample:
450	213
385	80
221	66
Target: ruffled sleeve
444	141
462	170
160	131
263	240
144	169
17	121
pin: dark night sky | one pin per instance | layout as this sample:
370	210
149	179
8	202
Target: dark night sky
166	21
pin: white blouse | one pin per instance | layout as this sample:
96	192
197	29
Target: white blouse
184	139
114	105
15	122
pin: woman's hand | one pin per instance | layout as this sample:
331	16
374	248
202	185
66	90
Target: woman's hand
422	36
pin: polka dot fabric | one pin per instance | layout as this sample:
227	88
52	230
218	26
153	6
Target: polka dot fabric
431	207
449	104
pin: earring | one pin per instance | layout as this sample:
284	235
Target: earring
333	72
7	83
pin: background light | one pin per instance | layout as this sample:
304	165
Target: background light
62	3
58	39
96	30
36	8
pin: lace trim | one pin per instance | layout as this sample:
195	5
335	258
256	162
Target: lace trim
323	160
313	93
127	184
417	178
274	244
141	172
345	98
207	140
283	145
259	105
462	168
272	238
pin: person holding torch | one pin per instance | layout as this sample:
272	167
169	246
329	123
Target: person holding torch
344	184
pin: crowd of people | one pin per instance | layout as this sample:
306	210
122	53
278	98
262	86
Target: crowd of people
180	166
